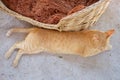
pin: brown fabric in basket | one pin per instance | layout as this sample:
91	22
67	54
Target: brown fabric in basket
47	11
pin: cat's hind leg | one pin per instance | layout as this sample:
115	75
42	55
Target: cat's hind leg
17	58
9	52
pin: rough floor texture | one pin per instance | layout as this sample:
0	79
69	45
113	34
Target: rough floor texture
45	66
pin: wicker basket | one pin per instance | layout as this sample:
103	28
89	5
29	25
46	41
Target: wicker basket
74	22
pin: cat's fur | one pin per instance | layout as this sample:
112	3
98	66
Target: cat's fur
84	43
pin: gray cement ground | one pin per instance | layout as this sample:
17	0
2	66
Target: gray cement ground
44	66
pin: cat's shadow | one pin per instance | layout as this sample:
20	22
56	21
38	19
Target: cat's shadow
90	63
100	61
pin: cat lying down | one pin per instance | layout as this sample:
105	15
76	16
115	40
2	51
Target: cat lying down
84	43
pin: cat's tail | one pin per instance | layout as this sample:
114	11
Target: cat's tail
22	30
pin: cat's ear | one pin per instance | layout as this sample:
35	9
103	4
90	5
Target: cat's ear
95	37
110	32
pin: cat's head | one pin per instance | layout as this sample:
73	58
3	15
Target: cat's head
101	39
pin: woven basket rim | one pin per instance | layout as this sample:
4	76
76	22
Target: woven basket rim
83	10
45	25
11	12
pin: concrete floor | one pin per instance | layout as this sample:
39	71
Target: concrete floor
44	66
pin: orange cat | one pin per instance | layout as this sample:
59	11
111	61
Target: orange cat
84	43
